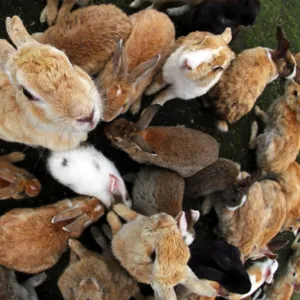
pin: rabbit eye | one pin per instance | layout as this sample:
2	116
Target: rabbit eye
294	274
295	93
217	69
153	256
29	96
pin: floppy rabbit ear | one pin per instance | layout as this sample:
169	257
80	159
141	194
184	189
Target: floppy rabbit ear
6	50
67	214
120	62
147	116
142	144
18	33
227	35
78	225
163	293
283	43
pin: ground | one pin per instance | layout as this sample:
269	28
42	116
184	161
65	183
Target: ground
234	145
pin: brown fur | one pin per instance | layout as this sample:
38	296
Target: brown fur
88	36
297	58
31	243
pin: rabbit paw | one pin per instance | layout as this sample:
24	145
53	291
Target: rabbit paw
16	156
48	15
135	4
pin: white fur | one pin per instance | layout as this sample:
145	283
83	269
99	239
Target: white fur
272	62
81	174
244	199
290	77
188	238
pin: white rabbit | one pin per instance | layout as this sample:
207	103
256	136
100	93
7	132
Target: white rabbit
87	171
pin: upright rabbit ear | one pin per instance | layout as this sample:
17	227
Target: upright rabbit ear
6	50
163	293
142	144
283	43
117	188
67	214
18	33
147	116
247	182
182	223
192	216
120	62
227	35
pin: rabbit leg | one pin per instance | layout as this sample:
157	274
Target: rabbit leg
136	106
261	114
157	85
33	282
21	292
13	157
125	212
49	13
178	11
114	222
206	206
100	239
254	130
65	9
164	96
78	248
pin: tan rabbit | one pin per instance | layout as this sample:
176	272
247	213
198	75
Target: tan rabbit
16	183
183	150
46	101
257	209
297	58
88	36
197	64
246	78
279	144
152	250
32	240
133	66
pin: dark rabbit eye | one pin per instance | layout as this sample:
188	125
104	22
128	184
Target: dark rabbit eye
153	256
289	66
217	69
295	93
294	274
29	96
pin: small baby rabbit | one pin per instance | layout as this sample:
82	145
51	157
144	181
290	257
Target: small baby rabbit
10	289
88	36
32	240
297	58
16	183
279	144
87	171
246	78
183	150
152	250
214	178
196	66
133	66
46	101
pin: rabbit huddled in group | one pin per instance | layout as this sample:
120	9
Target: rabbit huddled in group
183	150
134	64
88	36
46	101
33	239
16	183
195	66
152	250
246	78
87	171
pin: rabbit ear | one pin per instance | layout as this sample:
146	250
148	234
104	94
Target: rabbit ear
283	43
163	292
182	223
142	144
227	35
296	242
116	188
67	214
247	182
18	33
78	225
120	62
192	216
147	116
6	50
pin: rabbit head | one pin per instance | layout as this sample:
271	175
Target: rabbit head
118	94
292	96
251	9
53	93
88	288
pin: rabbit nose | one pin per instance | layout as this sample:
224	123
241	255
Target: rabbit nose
88	119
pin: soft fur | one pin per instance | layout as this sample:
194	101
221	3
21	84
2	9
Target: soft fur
88	36
32	240
88	172
45	100
297	58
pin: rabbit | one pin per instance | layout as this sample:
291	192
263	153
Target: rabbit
87	171
214	178
246	78
16	183
297	58
152	250
47	101
88	36
257	209
32	240
51	14
278	146
133	66
195	66
183	150
10	289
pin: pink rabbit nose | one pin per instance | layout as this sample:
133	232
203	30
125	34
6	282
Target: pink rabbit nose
88	119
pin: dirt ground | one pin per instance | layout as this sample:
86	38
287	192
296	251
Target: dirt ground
234	145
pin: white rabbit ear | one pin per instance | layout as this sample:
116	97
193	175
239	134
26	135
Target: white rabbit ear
182	223
227	35
6	50
117	188
192	216
163	293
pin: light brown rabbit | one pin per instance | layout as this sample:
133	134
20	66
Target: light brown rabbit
46	101
246	78
257	209
152	250
297	58
214	178
183	150
32	240
88	36
16	183
94	276
279	144
133	66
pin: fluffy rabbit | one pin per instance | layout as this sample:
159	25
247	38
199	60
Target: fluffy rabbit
297	58
133	66
279	144
10	289
88	36
183	150
257	209
246	78
194	67
214	178
32	240
16	183
87	171
152	250
45	100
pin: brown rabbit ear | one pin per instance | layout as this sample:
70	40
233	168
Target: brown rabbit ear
227	35
6	50
283	43
120	62
147	116
78	225
247	182
142	144
67	214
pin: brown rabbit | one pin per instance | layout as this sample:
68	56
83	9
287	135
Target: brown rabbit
246	78
183	150
32	240
88	36
297	58
133	66
152	250
16	183
214	178
279	144
45	100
